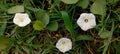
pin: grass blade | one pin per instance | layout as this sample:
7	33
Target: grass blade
68	23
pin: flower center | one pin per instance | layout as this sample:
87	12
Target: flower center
21	20
63	42
86	20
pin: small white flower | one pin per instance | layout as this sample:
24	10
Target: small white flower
86	21
21	19
64	44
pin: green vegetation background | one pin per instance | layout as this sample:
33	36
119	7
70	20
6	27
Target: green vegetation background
54	19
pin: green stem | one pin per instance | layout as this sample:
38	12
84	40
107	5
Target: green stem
109	39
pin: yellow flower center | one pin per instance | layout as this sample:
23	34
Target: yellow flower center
63	42
21	20
86	20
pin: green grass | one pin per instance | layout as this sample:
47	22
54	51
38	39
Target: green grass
40	38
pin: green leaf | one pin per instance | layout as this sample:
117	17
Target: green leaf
2	28
70	1
75	26
3	8
36	45
52	26
27	3
113	2
30	39
38	25
32	9
83	3
104	34
47	50
117	48
43	17
4	43
16	9
99	7
83	37
26	49
67	22
108	41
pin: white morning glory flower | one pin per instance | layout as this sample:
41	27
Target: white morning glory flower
21	19
86	21
64	44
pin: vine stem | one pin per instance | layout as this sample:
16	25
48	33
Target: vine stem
88	48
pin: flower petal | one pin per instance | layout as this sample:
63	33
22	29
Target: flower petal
21	19
66	46
86	25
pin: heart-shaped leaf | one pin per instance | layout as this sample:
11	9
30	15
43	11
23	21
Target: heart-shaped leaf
52	26
4	42
99	7
42	16
70	1
104	34
83	3
38	25
16	9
